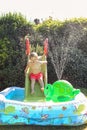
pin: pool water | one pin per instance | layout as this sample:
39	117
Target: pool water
18	94
15	94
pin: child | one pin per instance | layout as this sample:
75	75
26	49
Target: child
35	65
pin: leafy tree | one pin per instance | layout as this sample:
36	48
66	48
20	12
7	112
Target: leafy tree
13	28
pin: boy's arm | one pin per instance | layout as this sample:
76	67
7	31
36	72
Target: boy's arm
43	62
41	57
28	65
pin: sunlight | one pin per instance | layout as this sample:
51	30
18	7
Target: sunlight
58	9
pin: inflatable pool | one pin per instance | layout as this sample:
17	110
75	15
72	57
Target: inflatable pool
14	110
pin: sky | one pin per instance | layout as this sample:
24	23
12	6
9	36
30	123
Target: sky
42	9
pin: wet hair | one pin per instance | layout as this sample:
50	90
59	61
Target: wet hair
33	54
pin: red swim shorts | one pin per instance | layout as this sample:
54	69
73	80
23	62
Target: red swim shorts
36	76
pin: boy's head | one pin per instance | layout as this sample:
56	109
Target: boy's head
33	55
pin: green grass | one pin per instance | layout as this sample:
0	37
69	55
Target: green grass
25	127
34	127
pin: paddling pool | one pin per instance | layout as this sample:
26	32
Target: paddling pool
14	110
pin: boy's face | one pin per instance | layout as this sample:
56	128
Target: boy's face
34	58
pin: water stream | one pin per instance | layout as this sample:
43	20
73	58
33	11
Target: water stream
60	47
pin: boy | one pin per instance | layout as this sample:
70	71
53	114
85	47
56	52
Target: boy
35	65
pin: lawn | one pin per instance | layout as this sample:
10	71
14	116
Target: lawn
25	127
33	127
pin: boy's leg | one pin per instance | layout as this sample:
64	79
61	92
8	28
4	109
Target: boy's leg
41	83
32	85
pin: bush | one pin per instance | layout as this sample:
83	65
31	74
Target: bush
76	69
13	28
67	55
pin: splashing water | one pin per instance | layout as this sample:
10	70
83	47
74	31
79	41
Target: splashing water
61	46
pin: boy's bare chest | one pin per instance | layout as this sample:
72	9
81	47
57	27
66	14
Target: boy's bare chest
35	65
